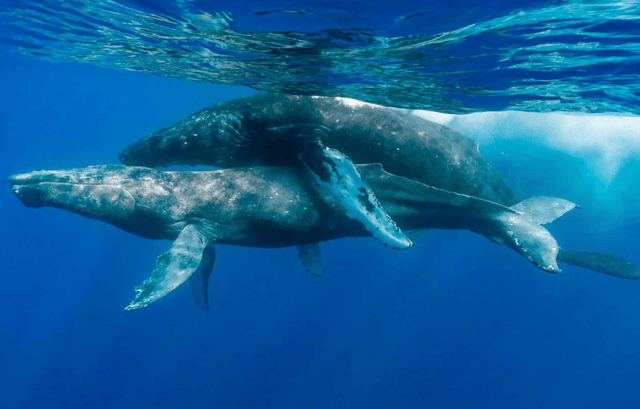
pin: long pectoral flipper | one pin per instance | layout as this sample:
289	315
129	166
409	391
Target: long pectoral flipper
603	263
311	259
199	281
184	258
335	172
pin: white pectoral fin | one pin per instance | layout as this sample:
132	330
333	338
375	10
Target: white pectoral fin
335	172
174	267
311	259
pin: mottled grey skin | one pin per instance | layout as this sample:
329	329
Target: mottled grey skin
276	207
258	207
265	129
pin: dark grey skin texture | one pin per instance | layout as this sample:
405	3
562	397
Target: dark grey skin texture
266	129
276	207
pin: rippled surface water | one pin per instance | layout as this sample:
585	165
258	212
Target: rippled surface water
581	56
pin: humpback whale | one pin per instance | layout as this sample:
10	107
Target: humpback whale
403	143
276	207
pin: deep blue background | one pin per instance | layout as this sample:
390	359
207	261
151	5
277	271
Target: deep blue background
456	322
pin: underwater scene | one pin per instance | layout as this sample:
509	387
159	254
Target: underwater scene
300	204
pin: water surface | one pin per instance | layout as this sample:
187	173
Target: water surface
469	56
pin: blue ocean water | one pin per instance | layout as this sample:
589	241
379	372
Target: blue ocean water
463	56
456	322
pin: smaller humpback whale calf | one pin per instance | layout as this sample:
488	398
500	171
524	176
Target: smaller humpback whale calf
277	207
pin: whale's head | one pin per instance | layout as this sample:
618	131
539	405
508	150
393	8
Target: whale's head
209	137
107	193
158	149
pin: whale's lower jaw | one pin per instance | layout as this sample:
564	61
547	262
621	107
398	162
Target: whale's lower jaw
29	195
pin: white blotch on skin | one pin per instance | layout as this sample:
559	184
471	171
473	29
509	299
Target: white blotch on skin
354	103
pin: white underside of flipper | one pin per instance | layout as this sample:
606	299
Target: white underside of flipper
174	267
336	173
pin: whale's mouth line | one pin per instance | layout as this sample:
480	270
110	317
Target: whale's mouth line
26	179
18	185
56	182
35	178
33	188
21	180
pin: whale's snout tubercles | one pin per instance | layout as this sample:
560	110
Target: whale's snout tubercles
77	191
22	179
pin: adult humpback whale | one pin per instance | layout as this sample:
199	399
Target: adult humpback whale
268	124
274	207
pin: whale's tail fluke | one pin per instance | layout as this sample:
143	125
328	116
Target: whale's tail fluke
522	229
544	210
